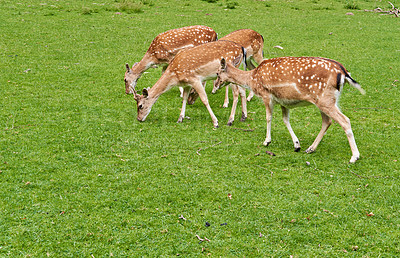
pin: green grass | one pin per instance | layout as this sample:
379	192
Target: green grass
80	176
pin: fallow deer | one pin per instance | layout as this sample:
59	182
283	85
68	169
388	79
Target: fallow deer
253	42
297	81
163	49
190	68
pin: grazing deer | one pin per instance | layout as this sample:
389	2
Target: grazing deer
164	48
190	68
293	82
253	43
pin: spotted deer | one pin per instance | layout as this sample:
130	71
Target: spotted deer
253	43
189	69
293	82
163	49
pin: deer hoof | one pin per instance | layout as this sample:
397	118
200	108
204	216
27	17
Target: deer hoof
266	143
310	150
353	159
297	149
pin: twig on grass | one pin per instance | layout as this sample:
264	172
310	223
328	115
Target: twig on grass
330	213
201	239
394	10
241	129
207	148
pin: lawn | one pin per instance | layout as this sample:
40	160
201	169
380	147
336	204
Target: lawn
80	176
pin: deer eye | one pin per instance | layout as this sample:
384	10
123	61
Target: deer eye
140	106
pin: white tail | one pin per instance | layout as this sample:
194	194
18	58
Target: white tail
190	68
297	81
163	49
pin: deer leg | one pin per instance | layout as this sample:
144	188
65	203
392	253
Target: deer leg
285	116
269	108
242	93
344	122
203	96
226	100
235	92
184	101
250	66
181	92
326	122
251	95
193	95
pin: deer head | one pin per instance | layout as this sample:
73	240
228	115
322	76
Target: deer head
144	104
222	79
130	79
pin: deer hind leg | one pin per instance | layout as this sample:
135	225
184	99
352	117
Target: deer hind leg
203	96
326	122
184	101
193	95
285	117
344	122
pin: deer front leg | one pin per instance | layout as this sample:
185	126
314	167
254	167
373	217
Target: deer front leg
226	100
203	96
183	110
242	93
326	122
285	117
250	66
235	92
269	108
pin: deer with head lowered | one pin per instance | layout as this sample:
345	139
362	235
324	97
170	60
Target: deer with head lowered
163	49
253	43
297	81
189	69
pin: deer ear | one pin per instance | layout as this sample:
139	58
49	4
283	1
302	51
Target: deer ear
127	67
146	92
223	64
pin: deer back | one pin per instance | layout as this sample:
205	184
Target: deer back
203	61
167	44
251	40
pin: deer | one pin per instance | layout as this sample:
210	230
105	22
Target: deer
253	42
297	81
163	49
190	68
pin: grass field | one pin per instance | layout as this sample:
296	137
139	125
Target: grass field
80	176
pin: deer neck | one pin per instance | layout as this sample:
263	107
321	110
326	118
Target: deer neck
240	77
143	65
162	85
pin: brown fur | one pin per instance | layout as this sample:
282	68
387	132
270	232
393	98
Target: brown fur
190	68
297	81
164	47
